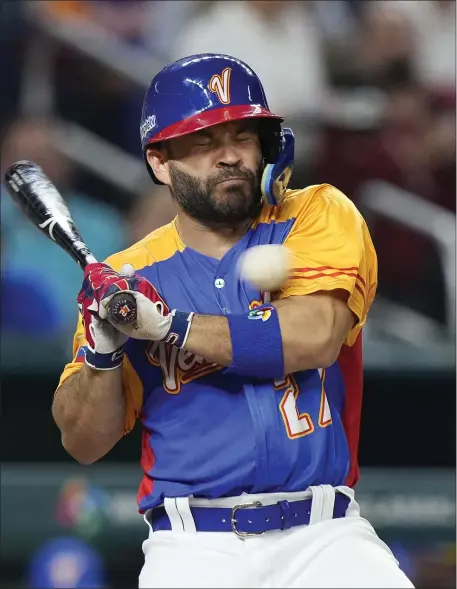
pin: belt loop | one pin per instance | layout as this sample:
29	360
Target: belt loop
147	519
286	514
353	509
323	503
179	514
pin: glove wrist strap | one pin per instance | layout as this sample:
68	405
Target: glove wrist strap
104	361
179	328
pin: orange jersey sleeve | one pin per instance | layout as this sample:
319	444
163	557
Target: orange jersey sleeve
331	249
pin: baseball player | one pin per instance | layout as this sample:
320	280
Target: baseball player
250	402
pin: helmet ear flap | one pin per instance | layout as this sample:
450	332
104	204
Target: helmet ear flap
270	139
276	175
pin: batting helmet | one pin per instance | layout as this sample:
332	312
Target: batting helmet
203	90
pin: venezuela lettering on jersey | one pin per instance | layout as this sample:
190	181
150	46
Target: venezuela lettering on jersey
180	366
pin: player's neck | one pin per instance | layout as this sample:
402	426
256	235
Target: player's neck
210	241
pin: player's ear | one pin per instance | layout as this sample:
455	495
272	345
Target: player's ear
157	159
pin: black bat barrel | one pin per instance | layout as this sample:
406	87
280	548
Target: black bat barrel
42	203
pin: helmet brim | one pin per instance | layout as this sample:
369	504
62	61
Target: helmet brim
210	118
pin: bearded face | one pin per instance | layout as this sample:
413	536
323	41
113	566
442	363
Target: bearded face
227	197
214	174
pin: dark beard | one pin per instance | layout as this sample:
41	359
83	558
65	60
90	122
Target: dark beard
195	197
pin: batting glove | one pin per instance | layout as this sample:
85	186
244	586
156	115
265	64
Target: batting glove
105	349
154	320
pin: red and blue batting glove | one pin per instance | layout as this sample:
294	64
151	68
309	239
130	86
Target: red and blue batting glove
154	321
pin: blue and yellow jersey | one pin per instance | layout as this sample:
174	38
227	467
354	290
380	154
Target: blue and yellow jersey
213	434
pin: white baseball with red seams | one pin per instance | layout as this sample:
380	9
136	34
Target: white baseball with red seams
266	267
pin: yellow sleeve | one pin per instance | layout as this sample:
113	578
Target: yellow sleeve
132	386
332	249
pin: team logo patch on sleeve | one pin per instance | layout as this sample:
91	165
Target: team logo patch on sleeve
263	313
81	354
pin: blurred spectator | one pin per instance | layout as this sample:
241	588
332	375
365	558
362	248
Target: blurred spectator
27	306
337	19
390	41
65	562
379	51
419	138
153	208
164	21
66	9
430	26
13	40
143	26
148	25
413	147
123	18
405	557
279	40
30	253
97	96
436	567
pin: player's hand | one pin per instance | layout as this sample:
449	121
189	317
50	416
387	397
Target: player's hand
105	342
101	283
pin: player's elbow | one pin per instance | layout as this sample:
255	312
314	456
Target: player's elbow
88	446
81	452
327	345
327	354
332	323
321	353
82	459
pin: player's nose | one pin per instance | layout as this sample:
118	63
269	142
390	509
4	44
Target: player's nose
228	154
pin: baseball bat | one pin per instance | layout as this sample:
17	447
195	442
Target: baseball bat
42	203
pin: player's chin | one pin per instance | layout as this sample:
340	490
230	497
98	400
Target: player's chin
237	209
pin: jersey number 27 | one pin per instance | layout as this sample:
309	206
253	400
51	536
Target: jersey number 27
301	424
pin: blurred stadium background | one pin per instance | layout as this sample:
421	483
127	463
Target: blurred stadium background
369	88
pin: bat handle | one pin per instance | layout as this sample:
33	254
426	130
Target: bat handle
89	259
122	309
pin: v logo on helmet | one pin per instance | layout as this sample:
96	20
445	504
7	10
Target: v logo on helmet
220	85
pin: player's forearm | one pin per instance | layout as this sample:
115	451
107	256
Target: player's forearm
89	410
311	334
209	337
303	347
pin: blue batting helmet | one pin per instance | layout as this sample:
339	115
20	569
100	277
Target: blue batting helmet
203	90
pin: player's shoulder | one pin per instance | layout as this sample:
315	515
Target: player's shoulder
157	246
307	201
316	198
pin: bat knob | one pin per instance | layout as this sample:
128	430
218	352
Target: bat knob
122	308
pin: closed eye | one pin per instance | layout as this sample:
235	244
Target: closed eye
203	142
244	137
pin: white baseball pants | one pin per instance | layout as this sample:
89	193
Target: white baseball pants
327	553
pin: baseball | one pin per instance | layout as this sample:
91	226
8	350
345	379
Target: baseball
265	266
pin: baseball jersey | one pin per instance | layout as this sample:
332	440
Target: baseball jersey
211	434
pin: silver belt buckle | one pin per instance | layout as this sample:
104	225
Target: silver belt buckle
233	520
